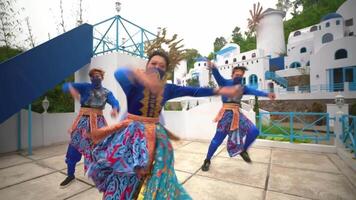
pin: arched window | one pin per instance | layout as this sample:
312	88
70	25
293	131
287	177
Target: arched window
303	50
253	55
243	81
328	37
295	65
327	24
253	80
198	64
297	33
204	64
340	54
337	22
234	60
308	63
226	62
243	57
313	28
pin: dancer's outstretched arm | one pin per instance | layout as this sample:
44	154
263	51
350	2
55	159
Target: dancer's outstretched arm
251	91
219	79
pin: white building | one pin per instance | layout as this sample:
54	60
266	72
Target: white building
322	51
270	44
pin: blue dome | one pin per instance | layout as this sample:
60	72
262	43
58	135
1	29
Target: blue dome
201	59
331	16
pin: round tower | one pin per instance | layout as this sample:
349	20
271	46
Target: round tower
270	33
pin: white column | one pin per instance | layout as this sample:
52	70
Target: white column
346	86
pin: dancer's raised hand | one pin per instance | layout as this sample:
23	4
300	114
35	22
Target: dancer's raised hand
150	80
272	96
75	94
211	65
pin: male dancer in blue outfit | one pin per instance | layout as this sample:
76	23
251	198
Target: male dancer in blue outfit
93	97
231	121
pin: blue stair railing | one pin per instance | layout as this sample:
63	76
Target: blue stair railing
118	34
274	77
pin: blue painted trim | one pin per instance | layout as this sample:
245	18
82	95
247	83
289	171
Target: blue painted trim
105	20
141	45
19	131
102	38
223	51
29	131
117	32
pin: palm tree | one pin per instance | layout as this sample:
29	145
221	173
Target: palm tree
256	15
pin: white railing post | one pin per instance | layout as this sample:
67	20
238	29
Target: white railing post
346	86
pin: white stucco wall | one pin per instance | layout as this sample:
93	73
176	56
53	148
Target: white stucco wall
332	109
228	56
47	129
8	134
270	33
295	55
325	59
179	72
347	10
337	31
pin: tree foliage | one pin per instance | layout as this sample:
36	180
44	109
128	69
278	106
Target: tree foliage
219	43
246	41
194	82
9	22
190	56
284	5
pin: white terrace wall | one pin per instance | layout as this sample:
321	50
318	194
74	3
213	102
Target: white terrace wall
47	129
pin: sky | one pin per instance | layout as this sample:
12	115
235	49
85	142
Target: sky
198	22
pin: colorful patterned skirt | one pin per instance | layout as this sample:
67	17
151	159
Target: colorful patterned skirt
116	158
80	139
236	138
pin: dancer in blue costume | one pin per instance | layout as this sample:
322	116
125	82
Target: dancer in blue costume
136	160
93	97
240	130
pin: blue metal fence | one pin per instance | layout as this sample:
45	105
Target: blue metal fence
348	135
118	34
295	126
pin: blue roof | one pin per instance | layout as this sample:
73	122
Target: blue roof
331	16
223	51
201	59
27	76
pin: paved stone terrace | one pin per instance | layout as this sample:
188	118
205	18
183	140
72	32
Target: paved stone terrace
275	174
